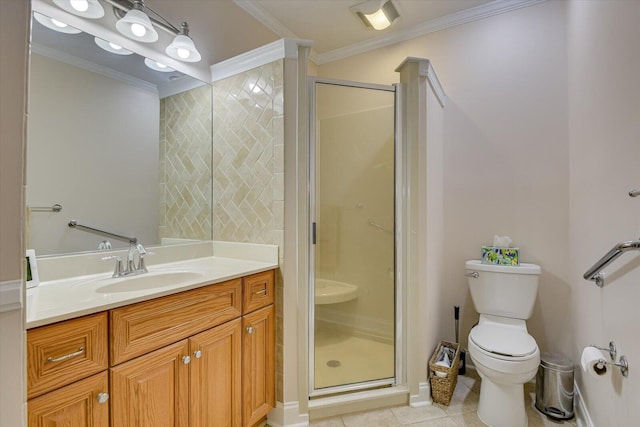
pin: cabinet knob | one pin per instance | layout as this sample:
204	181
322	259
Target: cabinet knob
103	397
186	360
250	329
197	354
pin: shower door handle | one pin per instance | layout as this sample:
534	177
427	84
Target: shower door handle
313	233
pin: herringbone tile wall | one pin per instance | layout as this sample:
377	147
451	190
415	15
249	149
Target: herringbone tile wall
246	107
248	168
185	165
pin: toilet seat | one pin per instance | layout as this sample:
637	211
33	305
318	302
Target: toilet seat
503	338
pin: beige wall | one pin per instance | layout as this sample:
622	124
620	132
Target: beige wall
506	152
97	176
604	105
14	28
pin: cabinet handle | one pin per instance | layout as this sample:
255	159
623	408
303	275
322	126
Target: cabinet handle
197	354
250	330
186	360
262	291
103	397
66	356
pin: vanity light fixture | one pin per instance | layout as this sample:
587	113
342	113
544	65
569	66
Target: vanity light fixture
112	47
157	66
86	8
182	47
136	24
376	14
54	24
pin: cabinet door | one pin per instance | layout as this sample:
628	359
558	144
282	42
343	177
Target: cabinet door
83	403
258	365
216	377
152	390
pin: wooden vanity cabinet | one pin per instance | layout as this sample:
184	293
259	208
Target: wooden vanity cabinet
200	358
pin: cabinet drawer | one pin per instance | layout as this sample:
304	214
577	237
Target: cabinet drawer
257	291
65	352
143	327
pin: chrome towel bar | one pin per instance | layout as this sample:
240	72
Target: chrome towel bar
74	224
634	193
594	272
53	208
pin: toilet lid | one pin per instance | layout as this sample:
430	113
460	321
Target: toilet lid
504	340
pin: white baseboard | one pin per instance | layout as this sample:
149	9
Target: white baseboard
287	415
581	413
10	295
423	398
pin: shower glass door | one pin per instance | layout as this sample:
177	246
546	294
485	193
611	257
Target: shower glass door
353	287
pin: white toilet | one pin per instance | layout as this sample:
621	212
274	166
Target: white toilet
503	352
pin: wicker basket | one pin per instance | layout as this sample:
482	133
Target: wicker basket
442	387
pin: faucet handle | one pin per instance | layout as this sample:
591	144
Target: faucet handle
142	268
117	271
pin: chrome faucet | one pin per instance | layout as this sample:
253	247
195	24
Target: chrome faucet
131	269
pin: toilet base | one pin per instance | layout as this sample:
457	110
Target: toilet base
501	405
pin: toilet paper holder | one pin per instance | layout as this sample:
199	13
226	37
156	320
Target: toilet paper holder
613	352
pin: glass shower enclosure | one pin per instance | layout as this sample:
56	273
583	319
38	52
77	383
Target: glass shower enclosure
352	205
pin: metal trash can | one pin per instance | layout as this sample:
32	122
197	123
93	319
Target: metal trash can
554	386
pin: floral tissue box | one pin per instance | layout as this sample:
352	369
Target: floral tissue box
500	256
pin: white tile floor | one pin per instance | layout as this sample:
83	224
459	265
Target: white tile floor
461	411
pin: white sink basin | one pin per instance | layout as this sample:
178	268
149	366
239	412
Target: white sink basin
332	292
147	281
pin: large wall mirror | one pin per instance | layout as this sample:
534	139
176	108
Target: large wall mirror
120	145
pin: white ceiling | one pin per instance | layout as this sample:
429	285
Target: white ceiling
223	29
331	25
336	32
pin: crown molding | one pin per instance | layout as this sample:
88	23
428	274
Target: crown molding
473	14
269	21
279	49
92	67
265	18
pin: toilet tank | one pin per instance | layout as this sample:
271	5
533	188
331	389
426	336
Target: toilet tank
508	291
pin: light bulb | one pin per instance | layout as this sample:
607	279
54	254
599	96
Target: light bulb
183	53
160	65
115	46
58	23
79	5
138	30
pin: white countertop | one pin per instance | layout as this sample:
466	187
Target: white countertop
56	300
